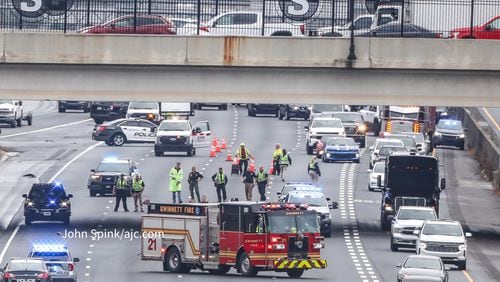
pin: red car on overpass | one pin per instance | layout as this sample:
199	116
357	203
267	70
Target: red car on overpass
488	30
140	24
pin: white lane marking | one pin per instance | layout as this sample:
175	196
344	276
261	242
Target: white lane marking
351	232
74	159
11	238
45	129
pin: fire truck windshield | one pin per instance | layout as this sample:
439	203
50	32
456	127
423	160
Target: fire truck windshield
305	223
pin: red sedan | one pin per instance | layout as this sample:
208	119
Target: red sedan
141	24
488	30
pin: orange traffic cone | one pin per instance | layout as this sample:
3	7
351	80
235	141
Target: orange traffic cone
215	142
271	170
229	157
217	148
223	144
212	152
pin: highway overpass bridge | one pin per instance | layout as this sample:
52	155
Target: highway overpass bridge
249	69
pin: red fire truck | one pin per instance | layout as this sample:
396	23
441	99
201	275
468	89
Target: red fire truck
248	236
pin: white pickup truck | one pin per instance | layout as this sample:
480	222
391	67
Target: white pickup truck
11	112
246	23
178	135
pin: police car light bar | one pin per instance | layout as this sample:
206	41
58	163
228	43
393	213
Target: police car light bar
49	248
287	206
110	159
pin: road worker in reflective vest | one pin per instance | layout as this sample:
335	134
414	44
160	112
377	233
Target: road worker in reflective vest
137	189
285	162
276	159
121	190
176	176
262	181
243	155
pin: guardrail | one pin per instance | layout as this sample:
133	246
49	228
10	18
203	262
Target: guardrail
326	17
482	143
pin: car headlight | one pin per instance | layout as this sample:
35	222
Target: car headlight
461	136
437	134
361	128
295	108
397	229
95	177
462	247
357	155
422	245
64	204
328	155
388	208
30	204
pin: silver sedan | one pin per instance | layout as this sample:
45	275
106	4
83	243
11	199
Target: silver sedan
422	268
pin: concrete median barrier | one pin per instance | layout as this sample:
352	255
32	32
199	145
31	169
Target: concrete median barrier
482	143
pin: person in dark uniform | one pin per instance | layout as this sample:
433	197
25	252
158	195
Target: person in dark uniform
193	179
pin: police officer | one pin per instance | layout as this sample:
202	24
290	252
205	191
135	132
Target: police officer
220	181
313	170
262	181
276	159
285	161
193	179
176	176
243	154
121	190
137	189
248	179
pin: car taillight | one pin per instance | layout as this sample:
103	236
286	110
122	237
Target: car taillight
71	267
101	128
8	275
44	275
303	29
204	28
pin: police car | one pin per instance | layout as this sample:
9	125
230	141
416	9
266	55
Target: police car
103	178
47	202
126	130
293	186
316	201
57	258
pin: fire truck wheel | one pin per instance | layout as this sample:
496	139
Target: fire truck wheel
245	267
173	259
295	273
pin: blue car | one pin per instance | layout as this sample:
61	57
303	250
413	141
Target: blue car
339	149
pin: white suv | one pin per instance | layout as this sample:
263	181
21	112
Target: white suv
444	239
406	221
321	128
178	135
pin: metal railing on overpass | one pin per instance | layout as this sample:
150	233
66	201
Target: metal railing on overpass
323	17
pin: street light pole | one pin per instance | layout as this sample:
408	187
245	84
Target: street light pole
352	55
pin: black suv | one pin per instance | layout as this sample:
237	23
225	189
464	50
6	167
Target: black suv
354	125
73	105
107	111
288	111
47	202
449	132
103	178
264	109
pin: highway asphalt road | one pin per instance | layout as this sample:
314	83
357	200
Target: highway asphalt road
357	251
